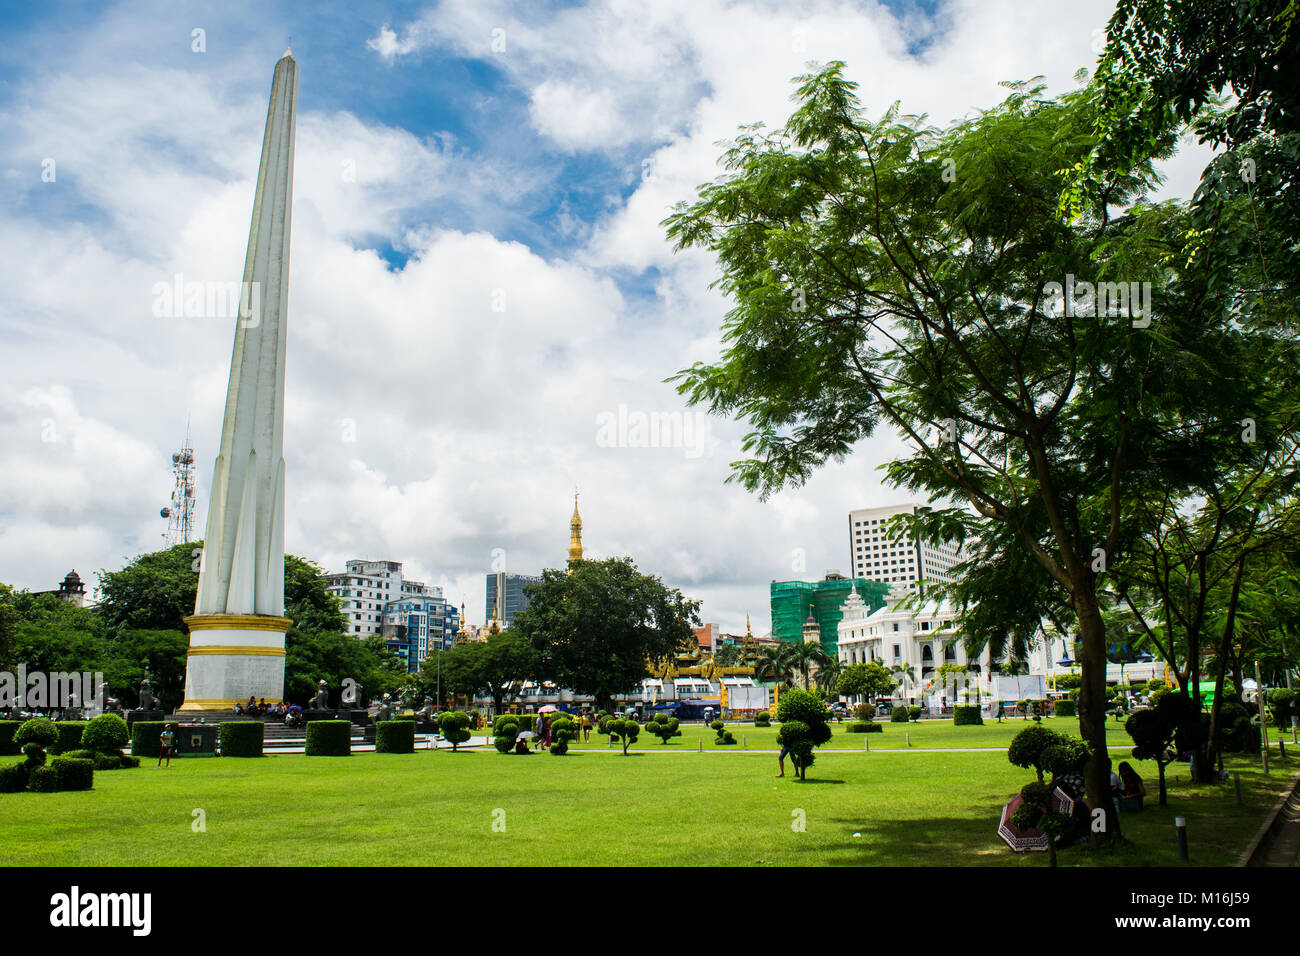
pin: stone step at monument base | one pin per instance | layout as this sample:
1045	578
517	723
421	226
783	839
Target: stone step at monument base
274	728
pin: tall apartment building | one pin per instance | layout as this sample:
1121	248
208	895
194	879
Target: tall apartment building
900	561
412	616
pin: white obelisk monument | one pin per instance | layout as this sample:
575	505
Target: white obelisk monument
238	626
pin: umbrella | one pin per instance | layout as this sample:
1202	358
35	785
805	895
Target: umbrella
526	734
1033	839
548	709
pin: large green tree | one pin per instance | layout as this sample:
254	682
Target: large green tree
870	680
158	590
497	667
889	274
602	626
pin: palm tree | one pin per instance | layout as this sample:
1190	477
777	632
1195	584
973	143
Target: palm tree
828	675
771	664
806	657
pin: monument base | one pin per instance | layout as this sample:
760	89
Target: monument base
233	657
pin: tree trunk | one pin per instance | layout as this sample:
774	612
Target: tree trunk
1160	768
1092	710
1205	762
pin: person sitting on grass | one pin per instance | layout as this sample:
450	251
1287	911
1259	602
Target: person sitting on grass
1131	789
521	746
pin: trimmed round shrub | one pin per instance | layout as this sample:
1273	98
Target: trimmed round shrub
1067	708
505	737
966	715
241	738
103	761
717	725
624	730
454	727
663	727
106	733
602	726
725	737
43	780
899	715
70	732
865	711
501	720
1236	733
74	774
8	746
40	731
563	729
329	738
762	719
13	778
395	737
914	712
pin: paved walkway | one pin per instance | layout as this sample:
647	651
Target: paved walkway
1285	847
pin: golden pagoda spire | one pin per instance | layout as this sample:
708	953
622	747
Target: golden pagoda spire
749	631
575	538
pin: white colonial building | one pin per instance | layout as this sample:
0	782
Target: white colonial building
918	639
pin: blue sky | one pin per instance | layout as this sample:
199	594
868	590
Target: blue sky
487	284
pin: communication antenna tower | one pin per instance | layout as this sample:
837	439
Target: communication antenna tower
180	513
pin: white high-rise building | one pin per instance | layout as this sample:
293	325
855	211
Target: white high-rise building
900	561
366	587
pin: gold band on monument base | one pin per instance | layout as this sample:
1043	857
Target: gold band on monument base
237	622
237	649
213	705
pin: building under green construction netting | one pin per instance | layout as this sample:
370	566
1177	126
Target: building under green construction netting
792	601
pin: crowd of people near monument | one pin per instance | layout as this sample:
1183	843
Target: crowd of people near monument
260	708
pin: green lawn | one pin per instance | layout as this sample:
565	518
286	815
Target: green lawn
925	734
677	807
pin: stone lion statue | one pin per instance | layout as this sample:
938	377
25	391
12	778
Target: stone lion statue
321	700
147	700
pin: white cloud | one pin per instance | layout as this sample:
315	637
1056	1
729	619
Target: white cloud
472	377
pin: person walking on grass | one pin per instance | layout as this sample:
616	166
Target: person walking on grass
166	743
780	760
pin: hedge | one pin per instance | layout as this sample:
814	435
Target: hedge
1066	708
43	780
329	738
74	774
70	732
145	734
7	730
967	714
241	738
13	778
898	715
865	727
762	719
395	737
